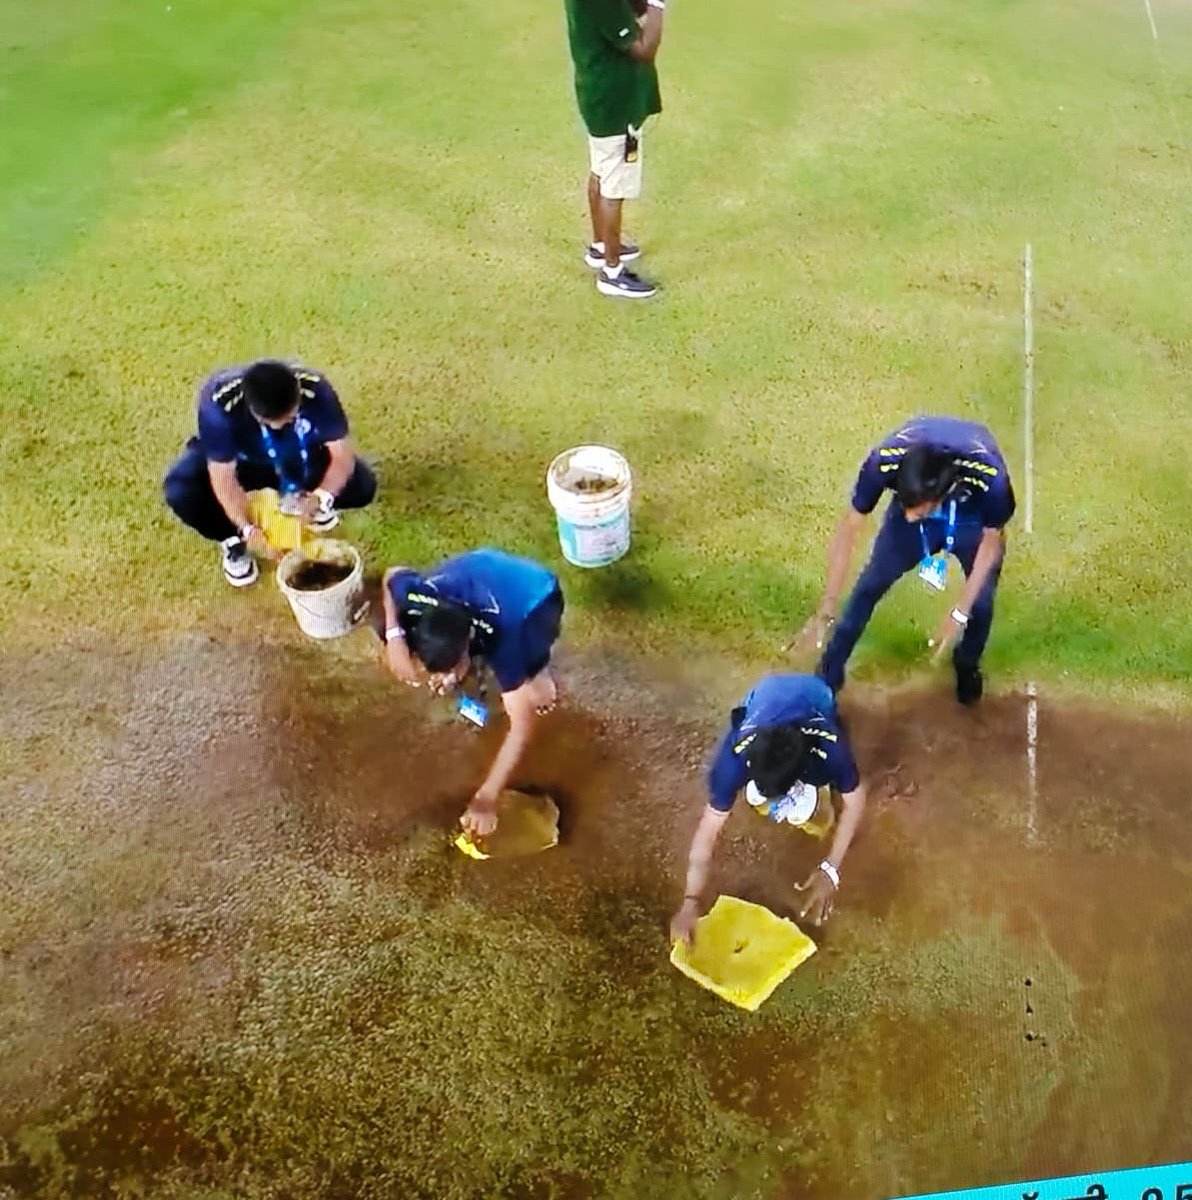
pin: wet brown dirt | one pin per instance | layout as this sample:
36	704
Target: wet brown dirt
904	1043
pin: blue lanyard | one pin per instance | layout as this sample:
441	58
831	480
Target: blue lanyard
271	450
949	536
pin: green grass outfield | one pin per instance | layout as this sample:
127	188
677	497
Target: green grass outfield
838	203
839	197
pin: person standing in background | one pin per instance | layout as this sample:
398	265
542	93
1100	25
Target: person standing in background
613	46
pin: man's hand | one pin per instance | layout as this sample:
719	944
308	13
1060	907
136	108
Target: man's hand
442	685
820	894
545	693
480	817
814	633
947	632
682	926
258	543
307	507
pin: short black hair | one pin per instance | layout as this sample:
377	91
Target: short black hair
774	758
441	637
925	473
270	389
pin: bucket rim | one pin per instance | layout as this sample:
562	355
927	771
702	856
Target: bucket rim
286	566
624	473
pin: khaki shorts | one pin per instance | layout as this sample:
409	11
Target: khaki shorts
619	180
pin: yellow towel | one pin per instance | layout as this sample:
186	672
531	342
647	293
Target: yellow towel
282	532
742	952
525	825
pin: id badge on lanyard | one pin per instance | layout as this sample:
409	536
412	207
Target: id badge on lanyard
473	710
933	568
287	485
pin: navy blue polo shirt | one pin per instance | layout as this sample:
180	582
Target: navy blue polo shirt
502	593
780	700
982	491
228	432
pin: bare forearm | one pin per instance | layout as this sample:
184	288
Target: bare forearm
989	555
233	499
698	866
340	468
646	47
840	558
699	858
387	601
850	821
509	755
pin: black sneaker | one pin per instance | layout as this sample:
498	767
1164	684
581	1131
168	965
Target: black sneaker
970	684
239	567
595	258
626	286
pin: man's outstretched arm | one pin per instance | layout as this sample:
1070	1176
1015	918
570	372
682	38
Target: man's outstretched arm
840	557
699	860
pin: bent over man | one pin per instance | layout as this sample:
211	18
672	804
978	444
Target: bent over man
482	609
784	736
951	496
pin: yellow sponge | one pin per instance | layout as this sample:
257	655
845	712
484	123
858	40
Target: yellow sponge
525	825
742	952
281	531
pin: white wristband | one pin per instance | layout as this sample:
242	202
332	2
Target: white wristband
395	632
658	4
832	873
961	618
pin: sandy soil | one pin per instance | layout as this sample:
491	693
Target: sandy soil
984	1005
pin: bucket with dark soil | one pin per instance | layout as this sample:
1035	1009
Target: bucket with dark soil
316	576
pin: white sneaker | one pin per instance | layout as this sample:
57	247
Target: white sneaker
325	522
239	567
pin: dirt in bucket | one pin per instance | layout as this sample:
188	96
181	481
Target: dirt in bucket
317	576
589	483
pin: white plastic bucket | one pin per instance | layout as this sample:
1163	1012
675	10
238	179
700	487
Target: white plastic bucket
335	610
590	488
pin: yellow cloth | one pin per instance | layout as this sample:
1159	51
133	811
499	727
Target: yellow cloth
742	952
282	532
525	825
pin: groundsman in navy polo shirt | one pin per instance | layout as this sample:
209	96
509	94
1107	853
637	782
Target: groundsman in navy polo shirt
784	735
482	609
268	425
951	496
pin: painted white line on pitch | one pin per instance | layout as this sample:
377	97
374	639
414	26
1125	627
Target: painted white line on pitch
1150	16
1032	761
1028	451
1028	383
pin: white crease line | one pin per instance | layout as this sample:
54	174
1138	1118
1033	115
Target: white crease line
1150	16
1028	383
1028	444
1032	761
